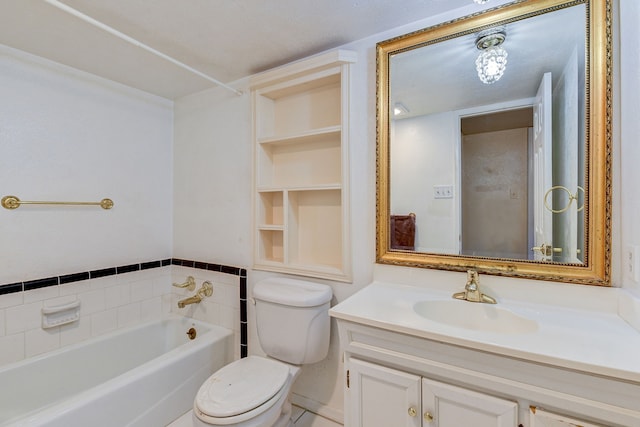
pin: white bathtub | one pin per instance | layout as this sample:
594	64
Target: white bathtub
144	376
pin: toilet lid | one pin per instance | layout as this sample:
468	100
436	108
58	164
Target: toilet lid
241	386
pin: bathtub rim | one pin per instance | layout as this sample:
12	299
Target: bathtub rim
111	334
214	334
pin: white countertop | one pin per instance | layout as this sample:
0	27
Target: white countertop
598	342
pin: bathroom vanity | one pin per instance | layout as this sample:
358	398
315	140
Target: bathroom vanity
545	355
417	357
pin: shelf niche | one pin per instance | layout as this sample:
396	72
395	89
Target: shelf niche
301	201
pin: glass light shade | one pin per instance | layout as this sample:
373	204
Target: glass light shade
491	64
481	1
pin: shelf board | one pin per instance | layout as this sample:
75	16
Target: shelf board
318	271
300	137
319	187
271	227
318	268
269	264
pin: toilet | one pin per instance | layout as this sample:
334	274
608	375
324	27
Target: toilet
292	318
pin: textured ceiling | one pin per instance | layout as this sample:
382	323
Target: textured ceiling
227	39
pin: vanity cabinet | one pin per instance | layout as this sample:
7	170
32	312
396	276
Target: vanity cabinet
541	418
391	374
301	192
381	396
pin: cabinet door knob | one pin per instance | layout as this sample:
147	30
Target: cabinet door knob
428	417
412	411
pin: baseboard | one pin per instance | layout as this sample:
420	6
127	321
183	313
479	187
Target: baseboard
318	408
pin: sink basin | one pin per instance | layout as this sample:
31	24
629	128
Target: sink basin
475	316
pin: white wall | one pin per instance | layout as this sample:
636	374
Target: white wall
416	142
66	135
626	216
212	198
213	175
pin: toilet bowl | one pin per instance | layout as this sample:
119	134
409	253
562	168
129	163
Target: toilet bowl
293	329
251	392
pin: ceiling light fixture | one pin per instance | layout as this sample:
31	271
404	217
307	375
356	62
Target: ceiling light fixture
399	109
492	60
481	1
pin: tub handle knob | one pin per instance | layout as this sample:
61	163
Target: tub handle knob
190	284
191	333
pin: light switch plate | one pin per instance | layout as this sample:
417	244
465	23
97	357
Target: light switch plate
632	262
443	191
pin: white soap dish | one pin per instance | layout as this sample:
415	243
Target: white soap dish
60	314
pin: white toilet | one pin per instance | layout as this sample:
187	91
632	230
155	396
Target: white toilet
292	317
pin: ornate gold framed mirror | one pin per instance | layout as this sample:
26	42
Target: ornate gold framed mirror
494	143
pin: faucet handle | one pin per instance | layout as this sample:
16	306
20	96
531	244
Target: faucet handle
206	290
472	276
190	284
472	280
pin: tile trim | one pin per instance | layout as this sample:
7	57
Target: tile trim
10	288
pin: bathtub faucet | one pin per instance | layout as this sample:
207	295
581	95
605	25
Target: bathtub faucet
206	290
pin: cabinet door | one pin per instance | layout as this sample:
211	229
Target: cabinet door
449	406
381	397
541	418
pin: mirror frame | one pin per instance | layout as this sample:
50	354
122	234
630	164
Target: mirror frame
596	269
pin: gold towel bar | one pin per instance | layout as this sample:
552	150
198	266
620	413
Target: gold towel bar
12	202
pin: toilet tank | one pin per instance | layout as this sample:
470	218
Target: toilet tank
292	318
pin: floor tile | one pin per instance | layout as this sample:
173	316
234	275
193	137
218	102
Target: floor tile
309	419
301	417
296	412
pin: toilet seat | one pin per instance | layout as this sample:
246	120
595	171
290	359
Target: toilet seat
241	390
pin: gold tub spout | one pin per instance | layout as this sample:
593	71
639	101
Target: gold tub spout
206	290
191	300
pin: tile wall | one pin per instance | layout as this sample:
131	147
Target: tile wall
227	306
114	298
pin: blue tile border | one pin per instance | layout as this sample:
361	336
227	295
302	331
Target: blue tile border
10	288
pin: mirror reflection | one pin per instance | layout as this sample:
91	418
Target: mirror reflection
487	141
494	143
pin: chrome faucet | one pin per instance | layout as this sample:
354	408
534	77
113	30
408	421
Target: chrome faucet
206	290
472	290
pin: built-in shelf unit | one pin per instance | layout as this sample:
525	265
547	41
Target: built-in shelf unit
301	197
